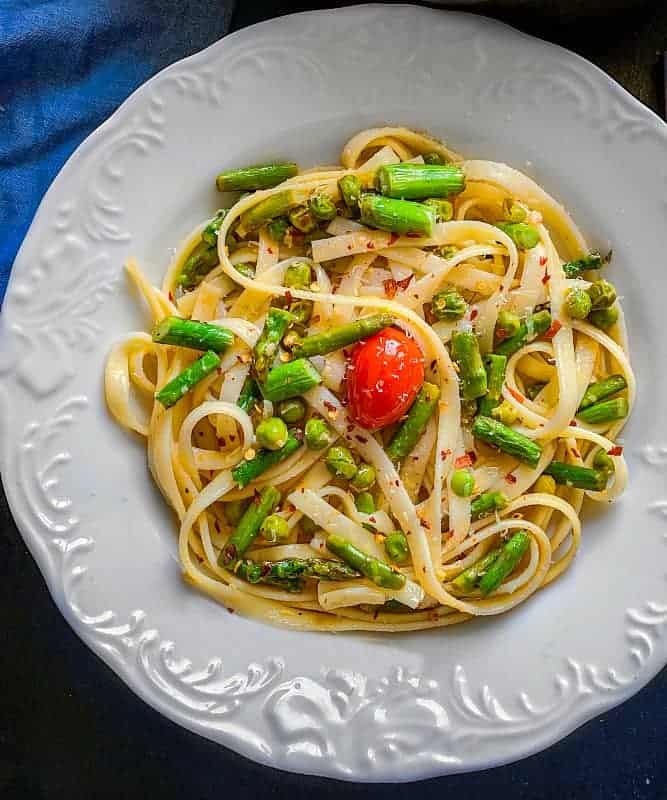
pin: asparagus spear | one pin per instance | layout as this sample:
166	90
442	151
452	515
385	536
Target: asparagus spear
191	333
513	211
320	344
249	395
277	205
465	351
246	531
197	265
509	441
532	327
495	377
275	327
322	207
397	216
487	503
419	181
605	411
574	269
576	476
448	304
289	380
350	190
467	580
247	471
444	210
289	571
414	425
524	235
602	389
378	571
302	219
173	391
210	232
508	558
247	179
397	548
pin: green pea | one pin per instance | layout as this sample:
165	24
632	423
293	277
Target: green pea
340	463
317	434
396	547
578	304
365	503
602	294
364	478
513	211
272	433
604	318
298	275
275	529
292	411
446	251
463	482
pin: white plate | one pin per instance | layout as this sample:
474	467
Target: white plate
362	707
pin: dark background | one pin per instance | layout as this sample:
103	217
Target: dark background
69	728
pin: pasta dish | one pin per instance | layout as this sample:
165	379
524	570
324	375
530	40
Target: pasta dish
376	395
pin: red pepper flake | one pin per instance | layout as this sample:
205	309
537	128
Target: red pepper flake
171	296
425	524
232	437
216	525
414	235
390	288
315	319
575	452
222	441
393	239
543	261
445	453
616	450
349	247
463	461
474	313
516	395
269	250
546	277
553	329
501	334
403	285
231	610
472	455
361	439
397	482
510	478
370	246
573	423
350	428
371	519
288	297
329	406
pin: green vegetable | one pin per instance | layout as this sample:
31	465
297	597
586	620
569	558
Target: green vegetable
509	441
574	269
604	318
545	484
397	216
414	425
534	389
210	232
507	325
318	434
302	311
463	482
247	270
602	294
247	471
308	527
278	228
198	264
444	210
288	573
576	476
191	333
605	411
577	304
234	510
448	304
487	503
446	251
322	207
468	410
248	528
340	463
247	179
506	562
177	388
524	235
467	580
249	395
320	344
298	275
277	205
604	462
396	547
419	181
302	219
364	477
465	351
289	380
365	503
272	433
292	411
505	412
380	573
495	366
513	211
532	327
350	190
275	529
433	158
602	389
275	327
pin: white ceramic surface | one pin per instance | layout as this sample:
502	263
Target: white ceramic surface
362	707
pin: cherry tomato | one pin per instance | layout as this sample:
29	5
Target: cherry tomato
385	374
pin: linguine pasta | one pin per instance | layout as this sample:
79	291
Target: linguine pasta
296	506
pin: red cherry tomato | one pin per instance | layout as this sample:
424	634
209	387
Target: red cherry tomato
385	375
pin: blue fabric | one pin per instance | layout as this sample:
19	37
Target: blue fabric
64	67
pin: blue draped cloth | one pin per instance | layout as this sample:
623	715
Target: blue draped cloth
65	66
